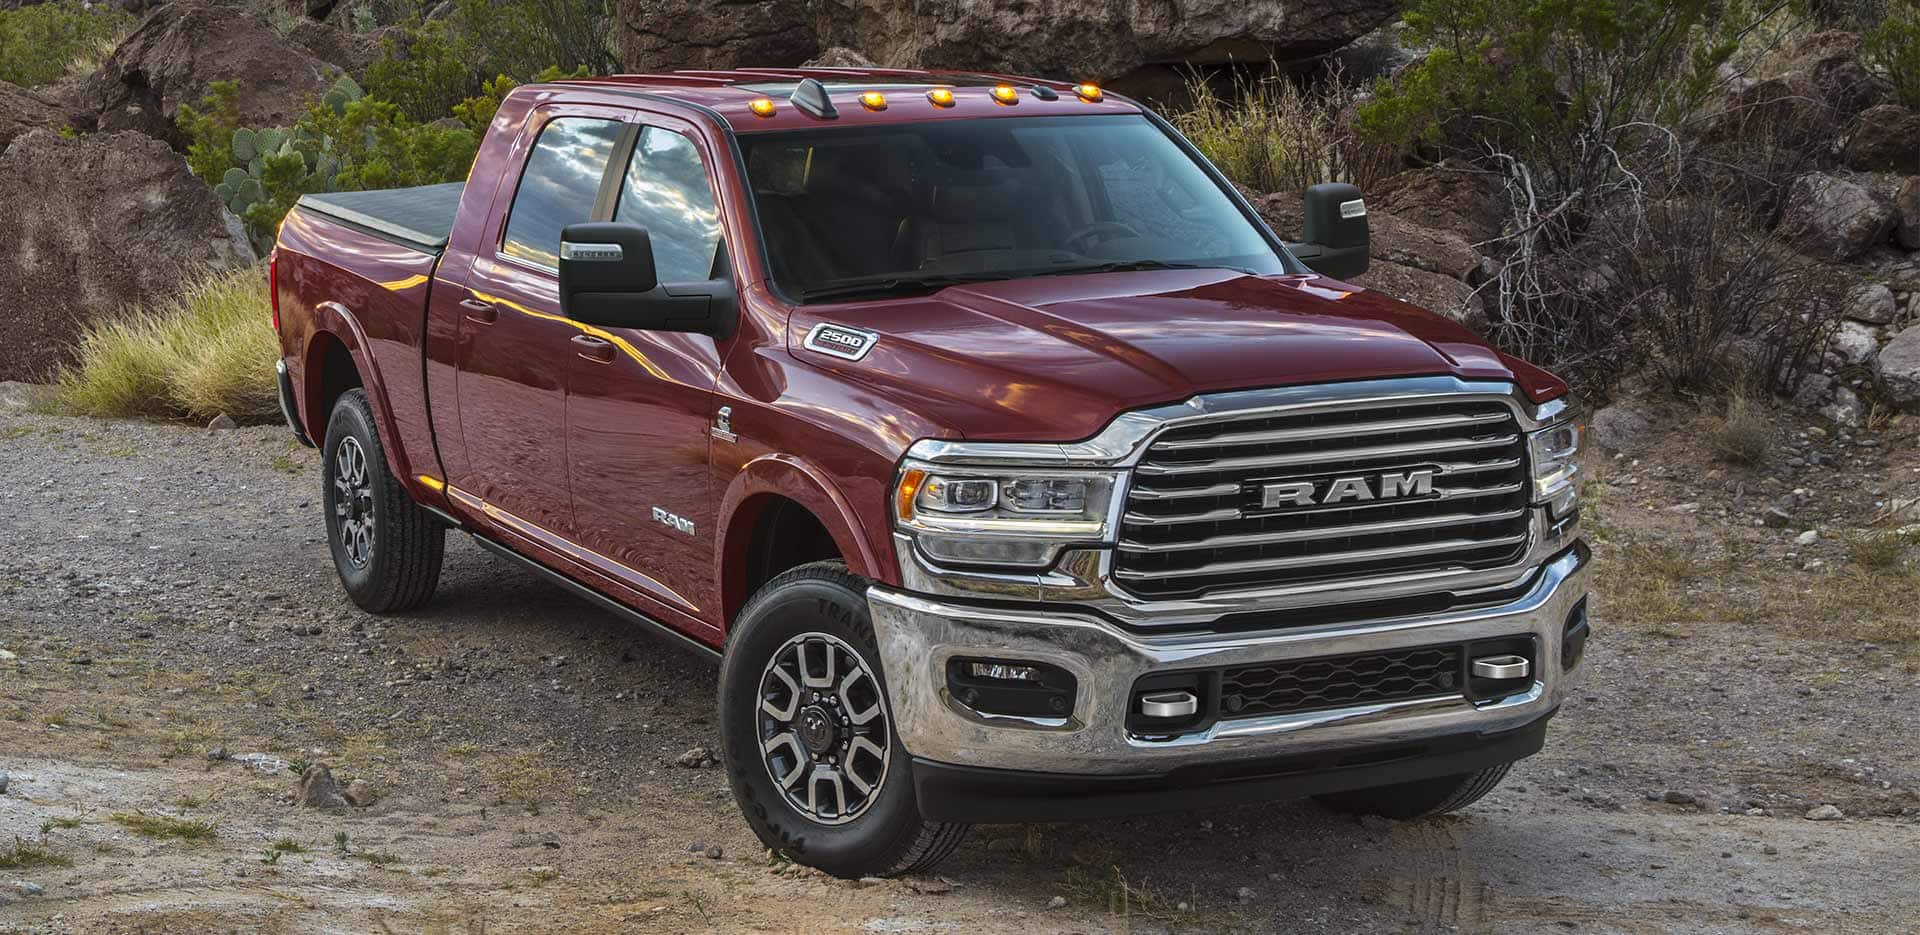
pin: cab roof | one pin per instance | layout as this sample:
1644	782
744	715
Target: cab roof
732	93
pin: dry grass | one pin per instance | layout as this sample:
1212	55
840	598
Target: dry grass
1271	135
1878	550
1743	433
208	351
24	856
163	826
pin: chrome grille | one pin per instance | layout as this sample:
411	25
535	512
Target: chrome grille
1195	521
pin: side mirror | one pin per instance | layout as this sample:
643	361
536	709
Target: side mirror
1335	231
607	278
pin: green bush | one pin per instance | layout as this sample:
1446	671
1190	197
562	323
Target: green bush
346	141
440	63
1892	49
41	43
207	351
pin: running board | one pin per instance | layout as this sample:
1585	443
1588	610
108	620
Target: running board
618	609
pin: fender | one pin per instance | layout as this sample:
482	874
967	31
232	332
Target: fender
804	483
337	320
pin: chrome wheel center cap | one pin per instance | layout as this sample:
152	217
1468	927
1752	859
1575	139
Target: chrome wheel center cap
817	730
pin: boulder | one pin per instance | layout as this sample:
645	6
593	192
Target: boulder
1854	343
182	48
346	50
1054	38
22	110
1898	369
1907	202
1831	217
1442	295
1463	202
1872	303
318	789
1885	139
840	57
1789	110
1622	426
97	224
1831	60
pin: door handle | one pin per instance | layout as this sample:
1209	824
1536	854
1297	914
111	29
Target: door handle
482	312
593	348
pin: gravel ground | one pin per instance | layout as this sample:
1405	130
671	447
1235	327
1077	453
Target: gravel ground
165	593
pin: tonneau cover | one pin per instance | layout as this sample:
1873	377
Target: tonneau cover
421	217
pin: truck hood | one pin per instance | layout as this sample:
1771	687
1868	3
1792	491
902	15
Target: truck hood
1056	358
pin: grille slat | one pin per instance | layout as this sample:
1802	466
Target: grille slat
1372	453
1335	431
1302	535
1197	522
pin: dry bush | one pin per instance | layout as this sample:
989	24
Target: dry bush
1272	135
208	351
1743	433
1676	272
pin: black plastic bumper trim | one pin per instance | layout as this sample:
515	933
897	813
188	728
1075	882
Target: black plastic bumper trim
979	795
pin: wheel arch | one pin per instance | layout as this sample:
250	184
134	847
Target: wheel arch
767	508
334	361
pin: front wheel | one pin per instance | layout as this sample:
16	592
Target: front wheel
808	736
387	549
1420	799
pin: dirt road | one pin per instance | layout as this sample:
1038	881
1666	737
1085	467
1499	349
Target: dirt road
165	593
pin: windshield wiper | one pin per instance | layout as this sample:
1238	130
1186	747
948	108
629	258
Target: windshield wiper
892	285
1127	266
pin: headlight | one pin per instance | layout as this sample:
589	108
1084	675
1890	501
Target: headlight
1554	452
995	516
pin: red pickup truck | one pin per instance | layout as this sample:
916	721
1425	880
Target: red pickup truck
1012	467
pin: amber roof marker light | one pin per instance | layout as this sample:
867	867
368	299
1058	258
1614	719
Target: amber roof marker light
873	100
941	97
761	106
1088	92
1006	94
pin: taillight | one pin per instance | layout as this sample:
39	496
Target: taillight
273	286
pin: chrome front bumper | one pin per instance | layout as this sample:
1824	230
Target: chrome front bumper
918	635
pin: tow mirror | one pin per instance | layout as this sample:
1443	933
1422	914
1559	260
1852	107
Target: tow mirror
1335	231
607	278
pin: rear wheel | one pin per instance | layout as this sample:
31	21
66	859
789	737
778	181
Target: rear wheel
1419	799
808	733
387	549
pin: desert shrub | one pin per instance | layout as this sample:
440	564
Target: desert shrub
346	141
1682	280
440	63
206	351
1879	548
41	43
1743	432
1270	134
1892	49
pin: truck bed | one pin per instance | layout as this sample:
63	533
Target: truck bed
420	218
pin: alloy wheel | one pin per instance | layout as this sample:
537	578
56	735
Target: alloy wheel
353	501
823	728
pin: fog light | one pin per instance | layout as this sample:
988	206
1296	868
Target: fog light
1012	688
1004	672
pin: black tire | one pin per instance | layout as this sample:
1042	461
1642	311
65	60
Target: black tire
819	605
1422	799
391	564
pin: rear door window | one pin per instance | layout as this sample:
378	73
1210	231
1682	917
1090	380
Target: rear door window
558	187
666	192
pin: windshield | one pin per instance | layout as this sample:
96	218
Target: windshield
913	207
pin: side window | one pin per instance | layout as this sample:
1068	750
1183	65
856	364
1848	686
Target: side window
558	187
666	192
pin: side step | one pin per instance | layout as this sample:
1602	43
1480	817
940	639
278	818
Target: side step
615	607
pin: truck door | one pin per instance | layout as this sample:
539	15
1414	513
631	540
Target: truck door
640	405
514	347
